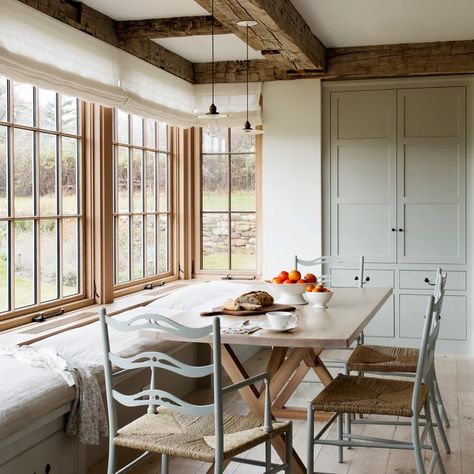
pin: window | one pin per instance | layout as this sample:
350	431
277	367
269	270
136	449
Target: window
142	202
228	202
41	220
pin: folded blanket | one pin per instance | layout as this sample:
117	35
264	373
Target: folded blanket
87	418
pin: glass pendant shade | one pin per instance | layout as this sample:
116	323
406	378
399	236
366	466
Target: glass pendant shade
247	128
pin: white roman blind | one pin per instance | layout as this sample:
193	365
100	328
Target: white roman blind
42	51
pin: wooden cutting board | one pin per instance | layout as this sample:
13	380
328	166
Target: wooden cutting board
266	309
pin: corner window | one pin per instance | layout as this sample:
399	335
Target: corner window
228	202
142	199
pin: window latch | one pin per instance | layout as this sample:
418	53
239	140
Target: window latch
230	277
150	286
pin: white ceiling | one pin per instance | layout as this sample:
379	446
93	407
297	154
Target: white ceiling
367	22
143	9
334	22
197	49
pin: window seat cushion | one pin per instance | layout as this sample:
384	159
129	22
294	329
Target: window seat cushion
202	296
28	393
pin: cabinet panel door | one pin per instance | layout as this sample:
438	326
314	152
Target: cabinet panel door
363	174
383	324
453	316
431	175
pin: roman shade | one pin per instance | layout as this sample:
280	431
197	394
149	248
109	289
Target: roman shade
40	50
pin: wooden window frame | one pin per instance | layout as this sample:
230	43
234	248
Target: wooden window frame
84	297
197	270
172	274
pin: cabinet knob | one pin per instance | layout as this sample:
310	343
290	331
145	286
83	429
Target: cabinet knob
400	230
393	229
427	280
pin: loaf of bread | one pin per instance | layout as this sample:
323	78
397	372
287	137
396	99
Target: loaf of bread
261	298
249	301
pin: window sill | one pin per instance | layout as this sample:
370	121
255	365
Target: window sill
33	332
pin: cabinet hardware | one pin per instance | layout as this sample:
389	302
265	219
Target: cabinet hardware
356	278
427	280
400	230
393	229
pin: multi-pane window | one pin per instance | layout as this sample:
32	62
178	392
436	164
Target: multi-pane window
142	217
41	221
228	201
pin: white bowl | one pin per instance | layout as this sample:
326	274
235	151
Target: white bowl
319	299
289	294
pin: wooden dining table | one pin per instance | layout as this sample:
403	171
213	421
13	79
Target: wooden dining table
293	353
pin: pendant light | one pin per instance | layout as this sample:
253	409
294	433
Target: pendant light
247	128
212	117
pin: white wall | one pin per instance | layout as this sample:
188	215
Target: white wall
291	199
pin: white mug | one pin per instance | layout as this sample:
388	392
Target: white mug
280	319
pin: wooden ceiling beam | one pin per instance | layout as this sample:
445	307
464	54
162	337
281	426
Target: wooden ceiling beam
169	27
90	21
366	62
280	29
401	60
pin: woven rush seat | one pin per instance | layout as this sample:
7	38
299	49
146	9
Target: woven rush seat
176	434
369	395
368	358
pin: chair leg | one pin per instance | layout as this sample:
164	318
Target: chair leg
289	448
431	433
164	464
434	405
347	416
310	440
111	460
415	435
340	449
439	401
268	456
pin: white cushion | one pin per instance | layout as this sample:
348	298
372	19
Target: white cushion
201	297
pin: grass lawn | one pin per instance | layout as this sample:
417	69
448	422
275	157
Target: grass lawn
241	201
240	261
24	290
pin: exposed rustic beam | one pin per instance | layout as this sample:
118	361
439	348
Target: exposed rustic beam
169	27
280	29
401	60
365	62
90	21
260	70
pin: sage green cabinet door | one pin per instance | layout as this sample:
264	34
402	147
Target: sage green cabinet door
363	174
431	175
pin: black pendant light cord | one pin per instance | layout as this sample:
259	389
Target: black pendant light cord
212	50
248	73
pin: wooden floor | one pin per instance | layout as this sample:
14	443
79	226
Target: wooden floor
456	374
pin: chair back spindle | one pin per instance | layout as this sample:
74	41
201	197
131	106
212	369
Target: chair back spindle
425	365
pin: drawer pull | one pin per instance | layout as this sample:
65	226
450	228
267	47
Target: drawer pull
427	280
356	278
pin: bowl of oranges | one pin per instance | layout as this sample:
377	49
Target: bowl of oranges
291	286
318	295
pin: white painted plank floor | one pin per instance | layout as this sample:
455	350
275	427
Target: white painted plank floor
456	375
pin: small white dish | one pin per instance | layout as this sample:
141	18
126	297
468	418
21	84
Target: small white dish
319	300
292	324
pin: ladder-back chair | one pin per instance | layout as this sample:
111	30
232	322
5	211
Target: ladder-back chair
174	427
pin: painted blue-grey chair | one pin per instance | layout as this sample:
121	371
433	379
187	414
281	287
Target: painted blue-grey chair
383	396
173	427
402	362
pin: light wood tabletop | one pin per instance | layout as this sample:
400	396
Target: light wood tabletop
294	353
338	326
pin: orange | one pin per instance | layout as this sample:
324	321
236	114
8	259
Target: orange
301	281
283	275
310	288
277	280
294	275
310	278
289	282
